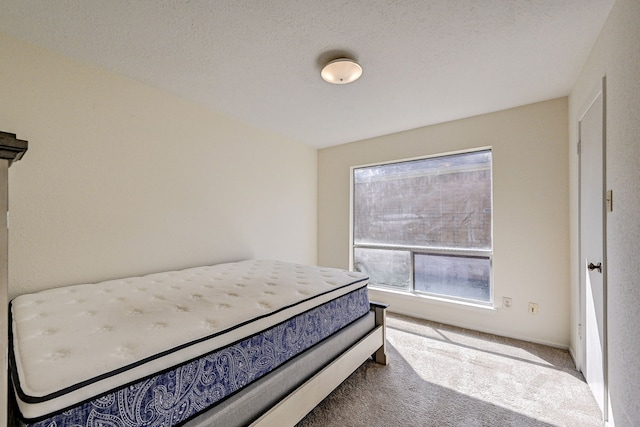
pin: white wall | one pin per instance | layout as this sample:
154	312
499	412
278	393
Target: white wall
616	54
531	214
121	179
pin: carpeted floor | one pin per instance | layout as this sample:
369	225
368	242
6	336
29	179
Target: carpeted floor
440	375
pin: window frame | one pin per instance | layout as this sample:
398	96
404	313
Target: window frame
413	250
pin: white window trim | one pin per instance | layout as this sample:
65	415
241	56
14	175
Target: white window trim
447	300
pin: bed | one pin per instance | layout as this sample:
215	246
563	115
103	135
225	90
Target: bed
257	342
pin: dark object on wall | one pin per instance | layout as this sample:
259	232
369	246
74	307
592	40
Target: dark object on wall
11	148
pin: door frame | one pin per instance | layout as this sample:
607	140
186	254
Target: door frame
600	90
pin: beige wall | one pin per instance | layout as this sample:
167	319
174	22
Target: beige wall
121	179
531	212
616	54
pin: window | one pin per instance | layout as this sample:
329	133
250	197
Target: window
425	226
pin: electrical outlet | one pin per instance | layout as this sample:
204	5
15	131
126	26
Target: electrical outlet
533	308
506	302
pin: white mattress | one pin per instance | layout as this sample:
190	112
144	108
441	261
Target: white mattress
77	342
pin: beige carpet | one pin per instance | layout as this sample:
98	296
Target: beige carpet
440	375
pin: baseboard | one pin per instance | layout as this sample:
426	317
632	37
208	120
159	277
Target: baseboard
499	334
409	305
573	357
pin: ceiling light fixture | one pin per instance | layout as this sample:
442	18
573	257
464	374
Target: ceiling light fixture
341	71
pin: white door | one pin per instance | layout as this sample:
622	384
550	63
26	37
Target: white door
592	251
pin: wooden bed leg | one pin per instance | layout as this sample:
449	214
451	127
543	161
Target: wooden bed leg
380	356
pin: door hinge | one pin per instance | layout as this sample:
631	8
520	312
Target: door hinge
580	330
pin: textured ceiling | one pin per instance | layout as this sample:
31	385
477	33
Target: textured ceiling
425	61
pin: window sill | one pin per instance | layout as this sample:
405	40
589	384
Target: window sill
435	300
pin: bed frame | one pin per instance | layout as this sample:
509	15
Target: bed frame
284	396
11	149
303	399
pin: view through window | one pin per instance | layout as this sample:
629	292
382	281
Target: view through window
425	226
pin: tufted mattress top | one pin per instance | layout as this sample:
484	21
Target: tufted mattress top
76	342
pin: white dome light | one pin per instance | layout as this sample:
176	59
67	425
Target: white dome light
341	71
